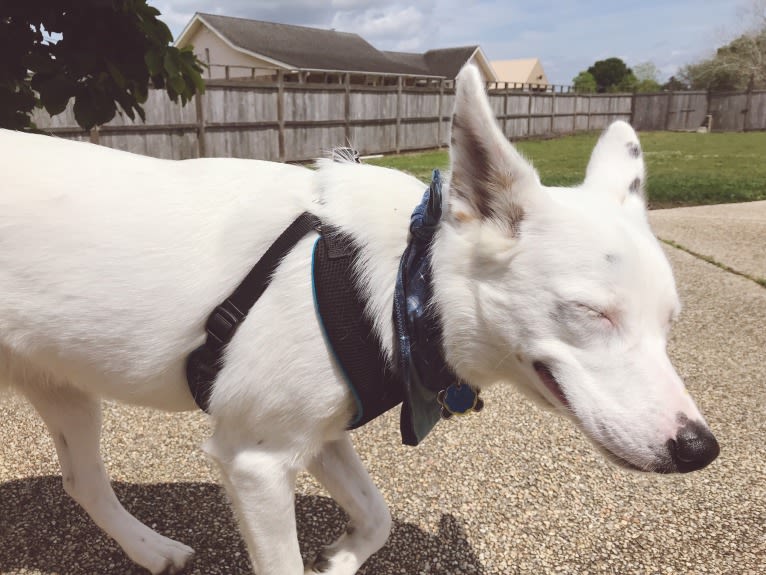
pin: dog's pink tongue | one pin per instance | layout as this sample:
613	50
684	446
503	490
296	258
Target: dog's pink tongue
550	382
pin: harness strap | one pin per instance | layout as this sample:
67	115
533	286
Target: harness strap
204	363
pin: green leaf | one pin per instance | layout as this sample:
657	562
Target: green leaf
116	75
93	107
171	66
153	62
178	84
55	93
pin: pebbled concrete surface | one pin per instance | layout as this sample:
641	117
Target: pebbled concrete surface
509	491
730	234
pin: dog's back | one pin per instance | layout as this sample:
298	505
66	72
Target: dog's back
102	250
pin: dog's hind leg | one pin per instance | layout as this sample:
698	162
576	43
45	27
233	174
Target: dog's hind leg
74	421
342	473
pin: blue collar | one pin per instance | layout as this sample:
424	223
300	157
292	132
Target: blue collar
432	390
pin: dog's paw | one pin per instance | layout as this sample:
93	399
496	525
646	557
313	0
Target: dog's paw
319	565
163	556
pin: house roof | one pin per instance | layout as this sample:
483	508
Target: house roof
518	70
303	48
448	61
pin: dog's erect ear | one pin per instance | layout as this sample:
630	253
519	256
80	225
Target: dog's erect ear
489	178
616	165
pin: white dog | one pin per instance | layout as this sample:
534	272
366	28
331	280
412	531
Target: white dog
110	264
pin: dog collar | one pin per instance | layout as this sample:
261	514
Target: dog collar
432	390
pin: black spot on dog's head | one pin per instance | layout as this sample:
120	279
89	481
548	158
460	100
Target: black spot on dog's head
634	150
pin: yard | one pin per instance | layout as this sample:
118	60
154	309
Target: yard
684	169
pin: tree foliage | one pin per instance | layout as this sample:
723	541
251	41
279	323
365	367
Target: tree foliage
675	85
610	74
584	83
107	53
739	65
647	77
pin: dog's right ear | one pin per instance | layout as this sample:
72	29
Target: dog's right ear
489	178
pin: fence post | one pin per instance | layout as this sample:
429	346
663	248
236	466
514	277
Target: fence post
748	105
281	114
587	122
633	108
347	108
505	111
398	113
199	104
574	114
553	112
441	113
668	111
529	115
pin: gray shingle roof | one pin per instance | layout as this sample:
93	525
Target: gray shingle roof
448	61
306	48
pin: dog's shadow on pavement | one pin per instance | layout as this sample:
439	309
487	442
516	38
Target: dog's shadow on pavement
43	530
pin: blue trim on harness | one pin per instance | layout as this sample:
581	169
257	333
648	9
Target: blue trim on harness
338	362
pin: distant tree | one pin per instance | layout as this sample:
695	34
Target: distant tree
647	77
627	84
107	53
584	83
609	73
675	85
738	65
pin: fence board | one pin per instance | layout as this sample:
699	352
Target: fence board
728	111
756	116
687	110
298	122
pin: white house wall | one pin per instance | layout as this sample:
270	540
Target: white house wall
208	44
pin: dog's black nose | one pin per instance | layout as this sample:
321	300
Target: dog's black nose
693	448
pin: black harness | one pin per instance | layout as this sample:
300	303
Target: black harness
340	305
204	363
420	377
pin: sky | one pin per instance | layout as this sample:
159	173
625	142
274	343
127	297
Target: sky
566	35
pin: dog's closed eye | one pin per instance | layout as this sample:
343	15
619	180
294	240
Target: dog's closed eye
596	313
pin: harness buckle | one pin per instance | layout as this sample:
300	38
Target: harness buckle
222	323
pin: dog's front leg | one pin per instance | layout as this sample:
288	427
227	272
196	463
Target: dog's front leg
74	421
342	473
260	479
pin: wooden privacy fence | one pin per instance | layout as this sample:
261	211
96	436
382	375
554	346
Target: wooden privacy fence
728	111
286	121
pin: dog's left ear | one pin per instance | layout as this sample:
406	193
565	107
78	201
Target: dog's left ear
616	166
489	178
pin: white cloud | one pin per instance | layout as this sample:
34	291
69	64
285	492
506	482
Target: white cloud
397	26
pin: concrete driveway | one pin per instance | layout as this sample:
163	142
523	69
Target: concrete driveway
511	490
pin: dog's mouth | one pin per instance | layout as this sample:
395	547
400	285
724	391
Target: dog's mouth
549	380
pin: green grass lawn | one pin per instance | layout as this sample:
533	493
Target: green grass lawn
684	169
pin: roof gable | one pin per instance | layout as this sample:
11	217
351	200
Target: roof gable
519	70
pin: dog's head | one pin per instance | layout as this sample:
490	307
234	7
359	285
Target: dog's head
564	291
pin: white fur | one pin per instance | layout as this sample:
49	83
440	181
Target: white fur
111	262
